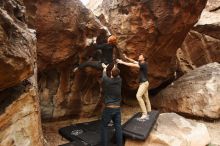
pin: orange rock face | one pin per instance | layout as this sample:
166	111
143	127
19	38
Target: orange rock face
62	44
64	94
20	117
154	28
141	27
17	43
62	30
20	122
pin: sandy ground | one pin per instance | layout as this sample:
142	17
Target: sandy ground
52	137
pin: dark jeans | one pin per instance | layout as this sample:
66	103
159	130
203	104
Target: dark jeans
113	114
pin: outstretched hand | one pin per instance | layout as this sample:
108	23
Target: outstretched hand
103	65
125	56
75	69
119	61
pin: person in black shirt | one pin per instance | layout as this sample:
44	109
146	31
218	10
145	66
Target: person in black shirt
144	84
105	53
111	84
109	50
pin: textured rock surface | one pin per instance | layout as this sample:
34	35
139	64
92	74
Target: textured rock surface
17	43
20	122
155	28
184	63
31	9
195	93
63	94
209	23
201	49
174	130
68	26
20	116
202	44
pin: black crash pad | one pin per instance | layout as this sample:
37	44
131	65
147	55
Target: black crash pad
137	129
88	133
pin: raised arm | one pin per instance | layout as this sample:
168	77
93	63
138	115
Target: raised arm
104	67
130	60
134	64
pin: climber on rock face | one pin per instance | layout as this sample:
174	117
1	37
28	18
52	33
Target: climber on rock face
111	85
109	50
144	84
105	53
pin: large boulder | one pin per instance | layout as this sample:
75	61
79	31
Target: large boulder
174	130
20	122
31	9
17	43
154	28
202	44
201	49
140	27
62	44
195	93
209	23
66	26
